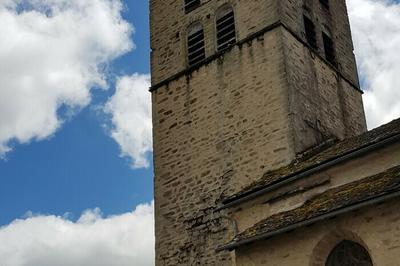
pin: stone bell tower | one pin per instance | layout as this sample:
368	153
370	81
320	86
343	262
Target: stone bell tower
239	88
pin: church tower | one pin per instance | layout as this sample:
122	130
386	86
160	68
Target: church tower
240	87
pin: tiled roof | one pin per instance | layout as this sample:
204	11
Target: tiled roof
337	199
310	161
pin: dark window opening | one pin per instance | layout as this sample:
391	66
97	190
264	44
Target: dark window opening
196	50
329	49
348	253
310	32
226	32
190	5
325	3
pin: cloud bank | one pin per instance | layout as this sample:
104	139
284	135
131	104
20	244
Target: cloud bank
121	240
130	110
52	53
376	34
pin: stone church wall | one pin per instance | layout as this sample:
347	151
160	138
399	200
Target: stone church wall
377	229
251	212
169	24
213	137
221	126
333	21
323	105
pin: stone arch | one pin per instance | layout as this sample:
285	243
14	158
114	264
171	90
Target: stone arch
194	27
223	9
348	253
330	241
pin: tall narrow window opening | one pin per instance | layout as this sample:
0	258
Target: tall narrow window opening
329	49
325	3
190	5
226	32
348	253
310	32
196	50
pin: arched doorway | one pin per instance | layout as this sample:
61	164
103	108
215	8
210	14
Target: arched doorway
349	253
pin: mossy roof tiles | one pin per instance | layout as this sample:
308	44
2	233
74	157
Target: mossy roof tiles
351	194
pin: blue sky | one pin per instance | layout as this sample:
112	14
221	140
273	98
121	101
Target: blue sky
79	167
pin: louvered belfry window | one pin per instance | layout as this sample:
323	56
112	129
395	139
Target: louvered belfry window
196	50
226	32
310	32
190	5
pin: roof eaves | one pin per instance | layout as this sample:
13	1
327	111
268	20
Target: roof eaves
251	194
237	243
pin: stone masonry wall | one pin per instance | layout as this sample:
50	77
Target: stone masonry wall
376	228
325	101
323	105
222	126
213	137
297	193
333	21
169	25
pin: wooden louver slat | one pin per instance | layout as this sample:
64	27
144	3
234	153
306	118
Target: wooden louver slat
190	5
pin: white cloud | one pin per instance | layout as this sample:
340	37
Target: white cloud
52	53
130	110
126	239
376	33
